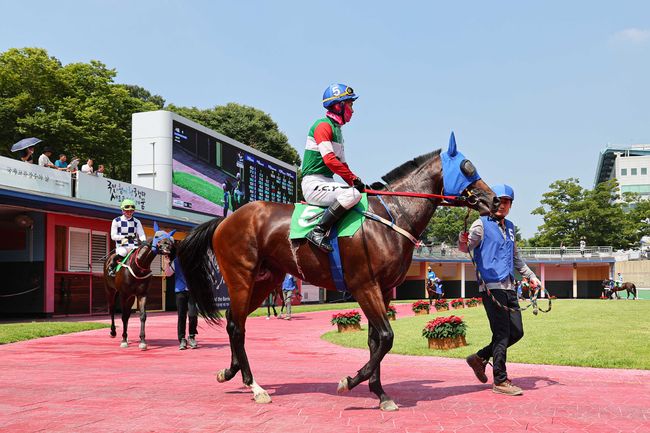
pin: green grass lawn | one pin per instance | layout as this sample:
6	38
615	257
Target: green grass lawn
198	186
589	333
12	332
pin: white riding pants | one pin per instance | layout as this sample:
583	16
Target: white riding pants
321	190
124	250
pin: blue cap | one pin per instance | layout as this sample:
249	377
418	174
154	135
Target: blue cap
503	190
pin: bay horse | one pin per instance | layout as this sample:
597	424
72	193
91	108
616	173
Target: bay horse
254	253
132	282
610	290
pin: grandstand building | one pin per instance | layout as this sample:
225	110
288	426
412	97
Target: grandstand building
629	165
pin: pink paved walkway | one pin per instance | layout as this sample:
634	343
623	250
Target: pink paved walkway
86	383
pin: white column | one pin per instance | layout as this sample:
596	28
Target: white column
575	281
462	280
542	277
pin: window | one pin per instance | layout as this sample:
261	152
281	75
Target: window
633	171
98	249
79	250
623	171
644	171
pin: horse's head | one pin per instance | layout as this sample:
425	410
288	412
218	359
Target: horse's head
461	179
163	243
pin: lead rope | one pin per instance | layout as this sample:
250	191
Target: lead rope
534	294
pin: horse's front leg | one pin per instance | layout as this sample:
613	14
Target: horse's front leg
126	314
110	295
374	383
374	309
142	307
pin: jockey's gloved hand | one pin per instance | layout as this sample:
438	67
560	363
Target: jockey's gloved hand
358	184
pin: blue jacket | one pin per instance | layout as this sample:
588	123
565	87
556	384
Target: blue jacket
179	281
288	283
495	255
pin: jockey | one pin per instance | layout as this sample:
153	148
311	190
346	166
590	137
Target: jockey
124	230
324	157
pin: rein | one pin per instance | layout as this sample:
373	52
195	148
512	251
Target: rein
448	200
534	295
137	266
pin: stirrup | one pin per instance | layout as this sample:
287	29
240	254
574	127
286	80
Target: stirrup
322	244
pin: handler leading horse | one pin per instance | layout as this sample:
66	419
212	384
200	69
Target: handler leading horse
254	252
132	282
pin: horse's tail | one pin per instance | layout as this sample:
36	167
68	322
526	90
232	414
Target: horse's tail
197	262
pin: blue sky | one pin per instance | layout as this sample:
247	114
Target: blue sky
533	90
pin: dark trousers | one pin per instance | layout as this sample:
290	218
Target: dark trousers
507	328
186	306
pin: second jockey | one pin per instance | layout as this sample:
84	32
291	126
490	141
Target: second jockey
324	157
125	229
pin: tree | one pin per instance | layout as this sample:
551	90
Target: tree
245	124
572	213
446	223
76	108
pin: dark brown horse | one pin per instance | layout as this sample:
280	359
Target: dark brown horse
254	252
610	289
132	282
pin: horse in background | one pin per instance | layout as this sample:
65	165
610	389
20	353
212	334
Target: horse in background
132	281
254	253
610	289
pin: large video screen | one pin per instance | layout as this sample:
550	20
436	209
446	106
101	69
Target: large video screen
214	178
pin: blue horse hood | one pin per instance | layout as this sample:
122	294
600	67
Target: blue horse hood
454	180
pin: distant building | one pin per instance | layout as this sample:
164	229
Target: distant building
629	165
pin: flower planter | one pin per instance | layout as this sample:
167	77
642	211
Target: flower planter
421	312
391	317
442	308
349	328
447	343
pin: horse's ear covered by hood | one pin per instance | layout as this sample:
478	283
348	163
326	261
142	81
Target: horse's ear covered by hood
452	150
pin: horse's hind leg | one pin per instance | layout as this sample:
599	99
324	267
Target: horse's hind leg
142	307
374	383
373	307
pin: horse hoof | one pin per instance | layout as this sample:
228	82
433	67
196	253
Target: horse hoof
388	406
221	376
124	344
343	386
142	346
262	398
113	334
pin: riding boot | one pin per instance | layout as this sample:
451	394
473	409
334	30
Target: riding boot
318	235
116	259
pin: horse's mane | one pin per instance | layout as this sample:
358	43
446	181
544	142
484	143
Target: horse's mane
409	166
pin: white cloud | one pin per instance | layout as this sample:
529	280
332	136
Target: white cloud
632	35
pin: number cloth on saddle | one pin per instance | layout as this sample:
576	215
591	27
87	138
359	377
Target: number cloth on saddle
306	216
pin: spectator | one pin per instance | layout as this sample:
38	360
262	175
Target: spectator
100	170
61	163
74	164
44	159
27	155
87	167
583	244
443	248
288	287
562	249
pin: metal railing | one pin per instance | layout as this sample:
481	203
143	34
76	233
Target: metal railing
537	253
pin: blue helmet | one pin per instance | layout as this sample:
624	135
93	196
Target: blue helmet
336	93
503	190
